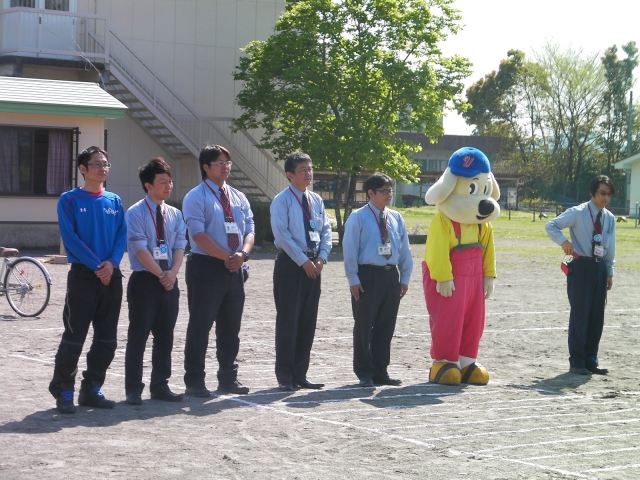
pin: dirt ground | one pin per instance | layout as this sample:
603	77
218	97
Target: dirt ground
534	420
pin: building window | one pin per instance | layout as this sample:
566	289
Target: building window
23	3
61	5
35	161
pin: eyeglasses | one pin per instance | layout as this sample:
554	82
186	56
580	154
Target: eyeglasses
385	191
605	194
228	163
100	165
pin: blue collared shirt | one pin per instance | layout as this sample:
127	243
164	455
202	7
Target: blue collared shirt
580	224
287	224
142	233
203	213
362	239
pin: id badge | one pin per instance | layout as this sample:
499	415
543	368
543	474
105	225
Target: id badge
161	252
314	236
598	251
384	249
230	227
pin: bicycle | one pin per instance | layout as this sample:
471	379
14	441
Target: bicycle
27	284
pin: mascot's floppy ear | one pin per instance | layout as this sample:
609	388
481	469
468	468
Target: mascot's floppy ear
441	190
495	191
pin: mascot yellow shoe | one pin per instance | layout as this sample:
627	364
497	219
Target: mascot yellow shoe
445	373
474	374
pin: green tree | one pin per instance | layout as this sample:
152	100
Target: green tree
619	77
338	79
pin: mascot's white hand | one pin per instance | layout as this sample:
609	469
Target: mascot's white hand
488	287
445	288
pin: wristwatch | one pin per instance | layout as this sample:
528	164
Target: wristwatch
246	255
324	262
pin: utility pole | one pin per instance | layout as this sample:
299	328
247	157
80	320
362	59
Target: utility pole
629	124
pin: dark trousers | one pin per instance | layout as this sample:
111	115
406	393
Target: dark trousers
214	294
375	320
296	297
587	291
87	302
152	309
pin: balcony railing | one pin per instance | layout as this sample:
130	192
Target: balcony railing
39	33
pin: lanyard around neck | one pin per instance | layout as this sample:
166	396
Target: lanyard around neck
306	214
386	222
227	212
155	225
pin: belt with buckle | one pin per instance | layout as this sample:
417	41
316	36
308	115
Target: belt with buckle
378	267
592	259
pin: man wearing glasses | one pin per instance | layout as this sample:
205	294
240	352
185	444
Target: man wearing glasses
93	230
303	236
378	264
221	231
593	245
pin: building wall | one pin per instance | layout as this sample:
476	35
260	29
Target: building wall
634	191
31	222
193	45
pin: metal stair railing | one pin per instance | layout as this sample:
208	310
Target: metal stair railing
189	128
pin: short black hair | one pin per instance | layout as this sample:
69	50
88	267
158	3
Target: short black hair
210	153
597	180
148	172
376	181
293	159
86	154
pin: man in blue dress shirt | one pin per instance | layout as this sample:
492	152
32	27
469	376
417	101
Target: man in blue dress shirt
378	265
156	239
593	244
94	235
302	234
221	231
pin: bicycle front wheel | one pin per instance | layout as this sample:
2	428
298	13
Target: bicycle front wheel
27	287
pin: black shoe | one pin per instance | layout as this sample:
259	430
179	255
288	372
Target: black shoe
64	402
366	382
387	381
93	397
197	392
579	371
306	383
167	396
234	387
598	371
285	387
134	398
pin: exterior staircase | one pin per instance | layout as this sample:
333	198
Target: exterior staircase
178	129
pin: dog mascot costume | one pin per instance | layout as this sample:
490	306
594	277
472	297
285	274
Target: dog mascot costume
460	266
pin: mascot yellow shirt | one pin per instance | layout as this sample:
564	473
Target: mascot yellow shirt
442	238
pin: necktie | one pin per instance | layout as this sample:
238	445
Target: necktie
232	238
598	224
307	226
164	264
383	231
597	230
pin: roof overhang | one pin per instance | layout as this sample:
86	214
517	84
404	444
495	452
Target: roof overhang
627	162
56	97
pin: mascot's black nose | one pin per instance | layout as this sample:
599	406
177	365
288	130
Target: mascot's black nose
485	207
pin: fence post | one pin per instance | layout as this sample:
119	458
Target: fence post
534	211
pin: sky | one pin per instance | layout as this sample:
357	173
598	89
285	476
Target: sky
493	27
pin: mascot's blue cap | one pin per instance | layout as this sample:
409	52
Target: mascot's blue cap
469	162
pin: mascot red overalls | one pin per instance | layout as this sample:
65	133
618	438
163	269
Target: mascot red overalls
460	266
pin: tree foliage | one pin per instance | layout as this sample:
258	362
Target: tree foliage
338	79
562	115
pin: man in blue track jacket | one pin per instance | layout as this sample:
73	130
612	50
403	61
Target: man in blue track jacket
93	230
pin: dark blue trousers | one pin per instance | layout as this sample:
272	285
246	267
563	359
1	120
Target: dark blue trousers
587	292
88	302
296	297
152	309
214	295
374	320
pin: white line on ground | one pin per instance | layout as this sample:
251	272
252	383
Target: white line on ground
589	452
